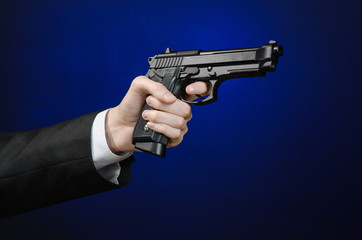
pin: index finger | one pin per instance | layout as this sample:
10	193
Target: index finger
197	88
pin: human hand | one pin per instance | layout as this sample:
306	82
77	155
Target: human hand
170	116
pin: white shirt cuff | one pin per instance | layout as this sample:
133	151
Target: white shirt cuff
105	161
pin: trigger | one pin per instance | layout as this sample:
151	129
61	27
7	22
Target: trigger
199	96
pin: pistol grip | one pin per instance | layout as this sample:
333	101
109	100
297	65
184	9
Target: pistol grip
146	139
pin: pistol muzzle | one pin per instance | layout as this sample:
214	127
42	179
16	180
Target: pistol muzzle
278	50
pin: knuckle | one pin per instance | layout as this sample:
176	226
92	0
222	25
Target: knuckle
190	117
138	83
186	110
180	123
178	134
177	142
152	116
138	80
186	130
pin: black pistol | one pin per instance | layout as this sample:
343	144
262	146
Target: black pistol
176	70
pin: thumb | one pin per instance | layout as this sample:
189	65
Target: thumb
145	86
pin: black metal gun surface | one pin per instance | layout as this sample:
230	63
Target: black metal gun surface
176	70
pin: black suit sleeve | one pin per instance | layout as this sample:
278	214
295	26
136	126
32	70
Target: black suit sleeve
50	165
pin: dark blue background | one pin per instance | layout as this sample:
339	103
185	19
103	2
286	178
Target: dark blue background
274	158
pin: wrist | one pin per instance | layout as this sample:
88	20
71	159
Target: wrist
118	133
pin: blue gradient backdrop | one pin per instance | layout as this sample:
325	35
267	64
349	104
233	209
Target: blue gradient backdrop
274	158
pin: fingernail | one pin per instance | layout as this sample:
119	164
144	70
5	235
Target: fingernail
145	114
192	89
169	96
149	100
150	125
